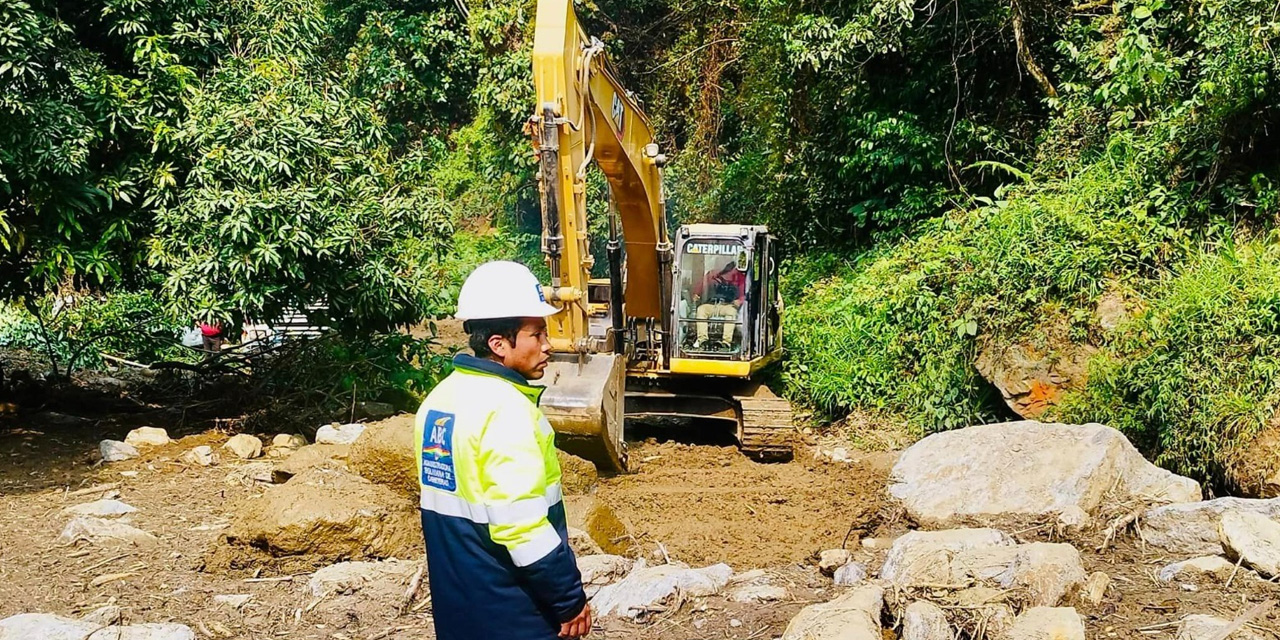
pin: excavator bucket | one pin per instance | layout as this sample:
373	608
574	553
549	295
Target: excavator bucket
584	403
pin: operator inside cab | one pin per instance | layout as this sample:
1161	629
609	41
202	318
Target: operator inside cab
498	555
719	295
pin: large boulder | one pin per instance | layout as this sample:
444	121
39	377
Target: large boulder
1043	573
331	513
244	446
1032	377
853	616
1191	528
1252	538
920	557
384	453
1027	469
1046	623
645	589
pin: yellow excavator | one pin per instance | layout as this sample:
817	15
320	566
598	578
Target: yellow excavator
682	325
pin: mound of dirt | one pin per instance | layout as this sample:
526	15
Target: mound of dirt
577	476
599	522
384	453
708	504
328	513
312	456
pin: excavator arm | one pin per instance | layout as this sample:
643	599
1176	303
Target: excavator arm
584	115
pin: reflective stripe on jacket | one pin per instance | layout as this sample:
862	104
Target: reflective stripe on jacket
498	556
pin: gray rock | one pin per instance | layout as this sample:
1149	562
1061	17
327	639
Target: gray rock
924	556
583	544
349	577
235	600
201	456
647	587
116	451
105	615
252	473
601	570
1202	627
1252	538
98	531
1046	623
339	434
850	574
100	508
45	626
1073	520
758	592
833	559
1026	469
146	632
925	621
1044	572
1191	528
288	441
244	446
853	616
1095	588
375	410
147	437
1215	567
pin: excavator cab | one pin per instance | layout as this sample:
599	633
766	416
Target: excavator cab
726	305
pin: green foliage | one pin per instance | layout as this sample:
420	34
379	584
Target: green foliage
318	380
87	94
294	197
1197	373
72	330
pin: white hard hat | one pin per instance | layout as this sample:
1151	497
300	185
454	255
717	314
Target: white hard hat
502	289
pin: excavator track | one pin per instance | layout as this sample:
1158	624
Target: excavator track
766	431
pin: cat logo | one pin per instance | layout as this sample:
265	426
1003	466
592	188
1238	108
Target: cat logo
619	110
712	249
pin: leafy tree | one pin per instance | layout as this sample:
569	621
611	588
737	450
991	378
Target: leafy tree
295	198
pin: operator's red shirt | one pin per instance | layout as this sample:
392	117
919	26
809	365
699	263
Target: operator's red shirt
733	277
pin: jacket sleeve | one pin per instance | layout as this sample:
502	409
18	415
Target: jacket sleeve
515	493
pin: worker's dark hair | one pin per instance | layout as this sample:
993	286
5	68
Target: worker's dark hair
479	332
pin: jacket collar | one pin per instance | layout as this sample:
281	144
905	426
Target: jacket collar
482	367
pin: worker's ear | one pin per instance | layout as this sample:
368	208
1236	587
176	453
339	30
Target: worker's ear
499	346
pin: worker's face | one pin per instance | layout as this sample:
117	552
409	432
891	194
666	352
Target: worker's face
529	354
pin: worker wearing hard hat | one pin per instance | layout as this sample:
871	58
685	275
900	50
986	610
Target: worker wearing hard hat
498	554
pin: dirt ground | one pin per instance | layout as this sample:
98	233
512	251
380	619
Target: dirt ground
696	503
708	504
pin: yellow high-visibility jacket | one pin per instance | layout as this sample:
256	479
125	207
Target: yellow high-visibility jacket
498	556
